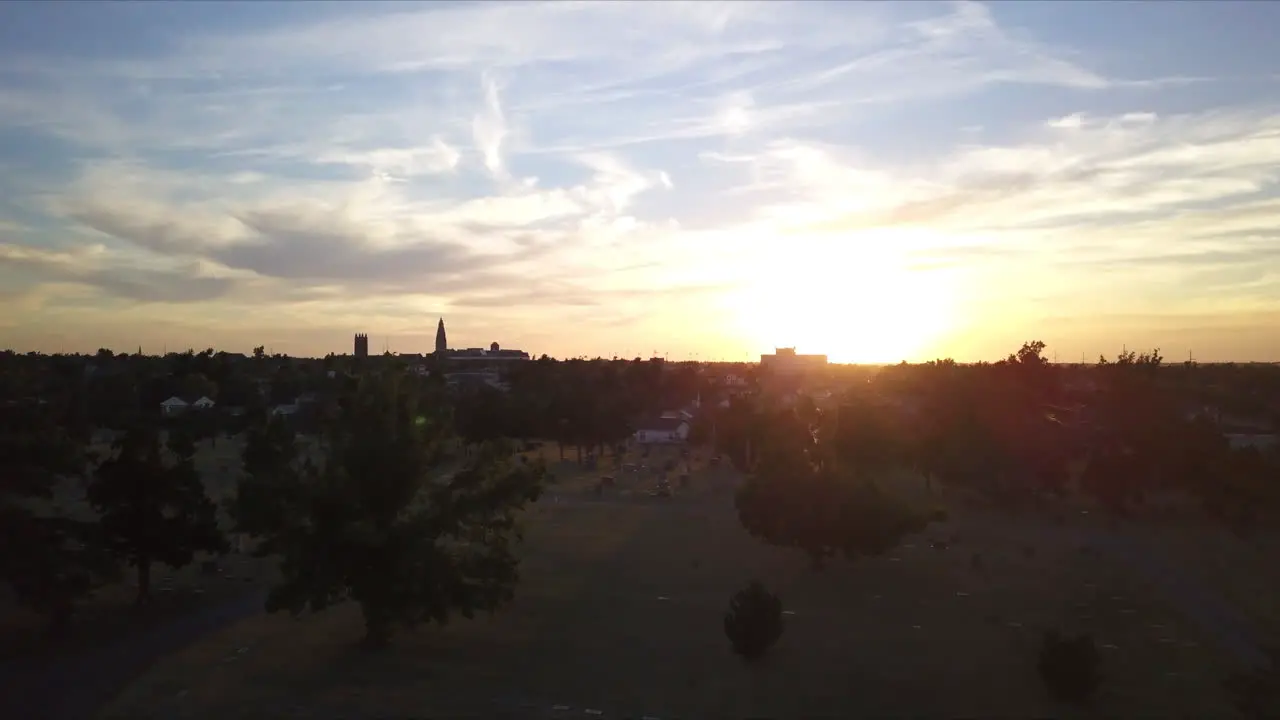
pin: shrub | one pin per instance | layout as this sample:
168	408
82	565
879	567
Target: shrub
754	621
1069	666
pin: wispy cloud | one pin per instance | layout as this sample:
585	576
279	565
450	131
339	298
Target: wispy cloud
647	170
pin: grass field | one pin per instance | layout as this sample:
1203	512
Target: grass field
620	612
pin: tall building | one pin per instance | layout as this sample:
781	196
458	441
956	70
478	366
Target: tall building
442	342
362	345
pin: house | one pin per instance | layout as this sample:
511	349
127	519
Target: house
204	403
285	410
662	430
1260	441
173	407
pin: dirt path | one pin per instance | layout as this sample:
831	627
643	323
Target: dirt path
74	688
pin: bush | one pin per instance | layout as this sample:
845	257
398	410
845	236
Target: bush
1069	666
754	621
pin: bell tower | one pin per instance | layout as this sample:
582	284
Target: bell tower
442	342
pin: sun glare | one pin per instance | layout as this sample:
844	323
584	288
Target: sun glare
852	304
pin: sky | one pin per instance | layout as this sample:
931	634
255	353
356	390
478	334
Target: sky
874	181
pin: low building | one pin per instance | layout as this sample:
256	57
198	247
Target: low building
174	406
494	354
662	430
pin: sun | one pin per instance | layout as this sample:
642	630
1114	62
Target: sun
848	301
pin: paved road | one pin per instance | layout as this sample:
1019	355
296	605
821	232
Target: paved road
75	688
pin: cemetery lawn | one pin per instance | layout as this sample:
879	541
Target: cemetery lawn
620	612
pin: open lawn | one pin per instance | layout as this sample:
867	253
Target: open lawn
620	613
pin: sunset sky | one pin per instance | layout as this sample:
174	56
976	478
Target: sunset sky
876	181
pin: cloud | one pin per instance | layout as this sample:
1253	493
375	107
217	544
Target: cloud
180	284
1116	169
489	128
950	53
435	157
577	295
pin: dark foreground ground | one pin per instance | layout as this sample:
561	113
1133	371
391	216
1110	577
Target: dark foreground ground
75	687
619	615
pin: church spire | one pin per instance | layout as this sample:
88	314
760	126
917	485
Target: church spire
442	343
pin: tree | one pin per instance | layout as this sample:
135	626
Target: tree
861	435
1142	441
803	495
989	427
153	511
387	519
48	559
483	416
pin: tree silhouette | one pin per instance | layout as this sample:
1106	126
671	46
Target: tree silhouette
48	559
152	510
387	519
802	494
